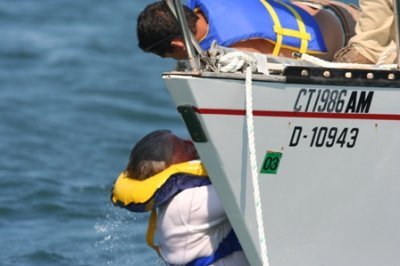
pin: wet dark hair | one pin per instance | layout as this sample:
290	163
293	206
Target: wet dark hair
152	154
156	27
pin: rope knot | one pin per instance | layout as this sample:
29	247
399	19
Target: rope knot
235	61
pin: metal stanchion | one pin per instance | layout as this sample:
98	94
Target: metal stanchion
196	45
177	10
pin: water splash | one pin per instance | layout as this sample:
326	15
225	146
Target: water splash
121	239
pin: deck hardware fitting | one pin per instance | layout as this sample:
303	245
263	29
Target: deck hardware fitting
305	73
348	75
327	74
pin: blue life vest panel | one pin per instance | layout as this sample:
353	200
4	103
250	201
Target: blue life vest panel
281	23
228	245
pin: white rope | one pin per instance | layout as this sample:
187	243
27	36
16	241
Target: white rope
253	166
232	62
323	63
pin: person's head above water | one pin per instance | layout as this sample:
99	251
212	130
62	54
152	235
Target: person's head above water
157	151
158	31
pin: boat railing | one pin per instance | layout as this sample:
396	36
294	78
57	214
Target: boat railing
191	44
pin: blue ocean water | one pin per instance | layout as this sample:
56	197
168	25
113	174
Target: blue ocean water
75	95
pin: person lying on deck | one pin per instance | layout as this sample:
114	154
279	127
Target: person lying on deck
375	39
316	27
164	176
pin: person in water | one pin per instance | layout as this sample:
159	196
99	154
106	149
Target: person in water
164	175
375	33
264	26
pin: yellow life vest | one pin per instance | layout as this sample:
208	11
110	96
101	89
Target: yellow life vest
127	190
140	195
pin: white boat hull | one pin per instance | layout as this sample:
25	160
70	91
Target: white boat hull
333	199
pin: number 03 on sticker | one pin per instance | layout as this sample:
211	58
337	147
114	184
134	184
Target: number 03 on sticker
271	162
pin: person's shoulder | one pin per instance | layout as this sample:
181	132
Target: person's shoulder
194	198
202	191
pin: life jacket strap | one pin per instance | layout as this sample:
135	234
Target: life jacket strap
151	228
302	34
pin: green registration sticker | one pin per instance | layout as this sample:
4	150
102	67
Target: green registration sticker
271	162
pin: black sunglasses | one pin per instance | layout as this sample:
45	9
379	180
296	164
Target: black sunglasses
158	43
